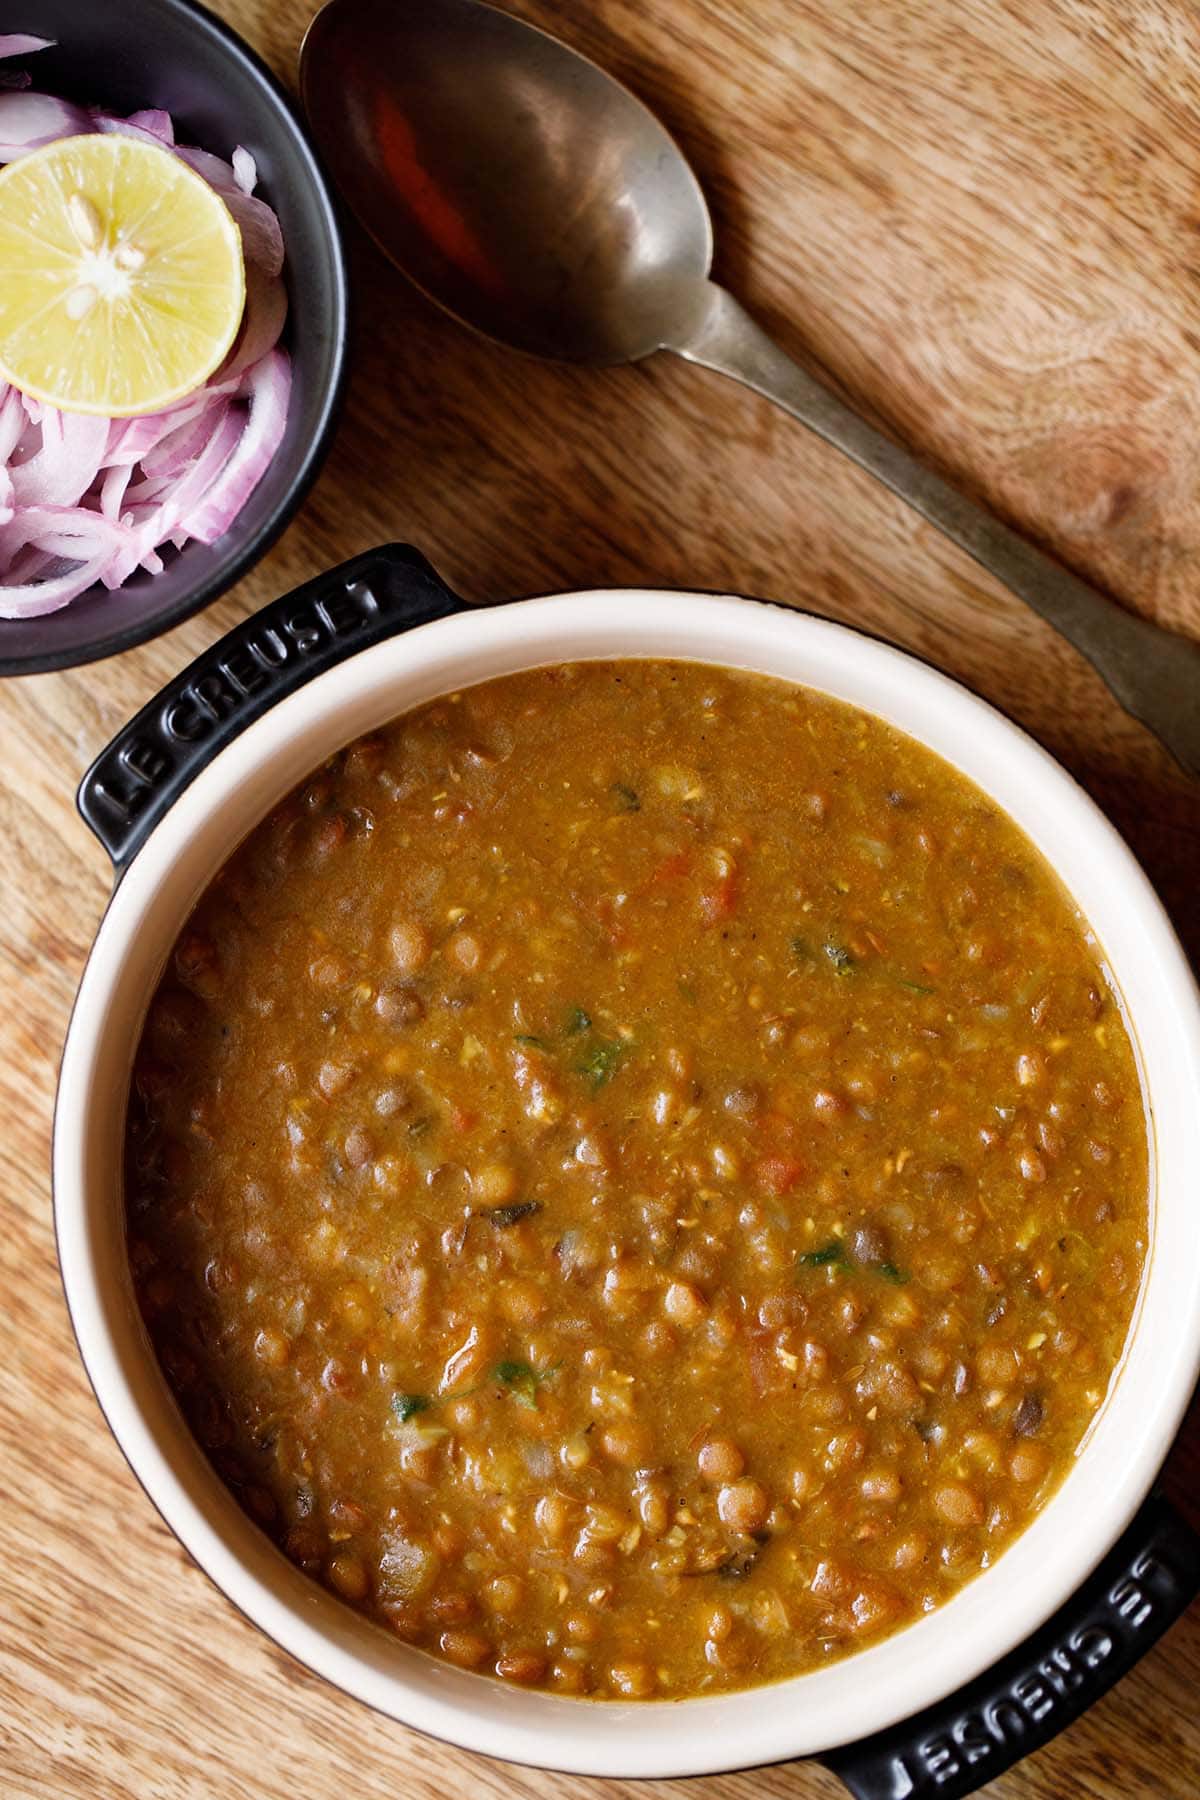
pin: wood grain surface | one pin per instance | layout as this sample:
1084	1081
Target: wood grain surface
981	218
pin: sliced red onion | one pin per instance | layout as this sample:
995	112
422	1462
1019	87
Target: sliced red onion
145	493
28	120
262	239
22	43
268	386
179	448
155	521
109	125
260	331
87	500
69	531
19	43
34	565
132	439
112	489
31	599
245	170
13	422
62	471
157	122
216	171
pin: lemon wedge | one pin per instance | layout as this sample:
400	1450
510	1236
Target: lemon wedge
123	284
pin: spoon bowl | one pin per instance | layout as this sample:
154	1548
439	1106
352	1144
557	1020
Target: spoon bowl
517	184
535	198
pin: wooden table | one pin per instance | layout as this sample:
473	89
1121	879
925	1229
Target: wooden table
979	217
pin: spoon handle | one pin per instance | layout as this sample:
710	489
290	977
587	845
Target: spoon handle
1154	673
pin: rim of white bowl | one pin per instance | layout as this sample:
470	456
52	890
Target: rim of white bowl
863	1692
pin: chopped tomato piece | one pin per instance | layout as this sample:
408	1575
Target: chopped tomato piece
610	922
720	902
778	1174
671	868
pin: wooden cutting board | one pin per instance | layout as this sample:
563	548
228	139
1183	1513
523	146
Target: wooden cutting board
982	219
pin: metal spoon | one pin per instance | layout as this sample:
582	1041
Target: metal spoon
537	200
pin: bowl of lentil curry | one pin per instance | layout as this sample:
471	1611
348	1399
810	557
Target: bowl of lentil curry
642	1146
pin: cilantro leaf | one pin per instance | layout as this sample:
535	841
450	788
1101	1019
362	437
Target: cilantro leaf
406	1405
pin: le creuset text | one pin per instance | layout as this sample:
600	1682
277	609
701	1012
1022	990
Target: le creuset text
248	667
1025	1709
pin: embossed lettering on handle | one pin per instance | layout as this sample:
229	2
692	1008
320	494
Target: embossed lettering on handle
957	1746
146	767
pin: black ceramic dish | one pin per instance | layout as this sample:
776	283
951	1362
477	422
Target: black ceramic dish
127	54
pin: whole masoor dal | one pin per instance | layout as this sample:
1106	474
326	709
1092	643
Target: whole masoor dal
637	1178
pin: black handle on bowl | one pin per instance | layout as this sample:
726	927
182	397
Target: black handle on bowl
1146	1581
142	772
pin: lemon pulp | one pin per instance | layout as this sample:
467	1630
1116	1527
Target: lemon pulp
121	276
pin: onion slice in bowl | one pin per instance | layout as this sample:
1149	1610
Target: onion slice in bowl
262	240
22	43
31	599
14	422
268	387
158	123
245	170
156	519
28	120
63	468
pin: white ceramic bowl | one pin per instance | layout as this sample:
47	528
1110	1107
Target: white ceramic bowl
813	1712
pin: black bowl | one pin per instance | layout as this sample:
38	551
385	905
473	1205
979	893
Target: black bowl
128	54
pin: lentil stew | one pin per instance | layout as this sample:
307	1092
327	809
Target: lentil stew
637	1179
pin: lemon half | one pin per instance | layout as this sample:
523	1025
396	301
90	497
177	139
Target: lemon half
121	277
